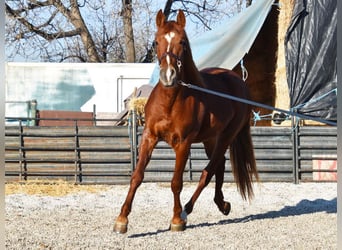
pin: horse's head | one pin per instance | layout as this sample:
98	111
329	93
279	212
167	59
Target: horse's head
170	43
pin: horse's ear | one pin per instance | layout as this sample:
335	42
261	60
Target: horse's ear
160	19
181	18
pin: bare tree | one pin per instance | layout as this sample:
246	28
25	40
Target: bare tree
56	7
98	30
127	10
55	30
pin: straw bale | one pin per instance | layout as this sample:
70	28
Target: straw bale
282	93
138	104
50	188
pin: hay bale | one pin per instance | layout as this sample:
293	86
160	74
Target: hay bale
136	101
282	91
137	104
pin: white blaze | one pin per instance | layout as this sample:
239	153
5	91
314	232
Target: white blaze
168	38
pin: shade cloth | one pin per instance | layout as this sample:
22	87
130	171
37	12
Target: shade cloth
227	44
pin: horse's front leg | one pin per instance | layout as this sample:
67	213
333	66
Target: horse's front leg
146	147
178	222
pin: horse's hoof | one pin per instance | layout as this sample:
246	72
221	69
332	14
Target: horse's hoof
120	228
177	227
226	208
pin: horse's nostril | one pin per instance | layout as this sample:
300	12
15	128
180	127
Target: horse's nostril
173	73
168	76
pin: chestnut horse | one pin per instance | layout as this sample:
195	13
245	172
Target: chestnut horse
181	116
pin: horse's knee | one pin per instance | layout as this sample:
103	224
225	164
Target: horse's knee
137	177
176	186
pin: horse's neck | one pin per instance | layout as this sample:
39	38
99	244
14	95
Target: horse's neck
165	97
191	74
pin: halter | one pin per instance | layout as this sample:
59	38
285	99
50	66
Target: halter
169	53
179	62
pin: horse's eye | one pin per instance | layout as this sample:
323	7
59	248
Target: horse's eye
183	44
155	43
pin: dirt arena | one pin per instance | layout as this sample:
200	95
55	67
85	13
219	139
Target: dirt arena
281	216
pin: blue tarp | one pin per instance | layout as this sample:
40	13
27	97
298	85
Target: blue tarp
226	45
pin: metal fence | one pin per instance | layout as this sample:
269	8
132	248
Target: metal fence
107	154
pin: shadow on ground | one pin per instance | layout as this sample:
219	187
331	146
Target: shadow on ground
302	208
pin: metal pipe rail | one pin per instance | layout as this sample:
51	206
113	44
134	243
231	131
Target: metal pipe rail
108	154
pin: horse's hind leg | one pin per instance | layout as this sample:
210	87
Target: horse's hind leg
147	144
222	205
215	153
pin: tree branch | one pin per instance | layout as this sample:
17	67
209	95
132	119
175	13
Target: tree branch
73	56
36	29
33	4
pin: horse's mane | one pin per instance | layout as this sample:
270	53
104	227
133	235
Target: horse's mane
191	62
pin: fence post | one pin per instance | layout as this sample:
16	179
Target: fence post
94	115
78	166
190	166
32	112
21	153
132	123
295	145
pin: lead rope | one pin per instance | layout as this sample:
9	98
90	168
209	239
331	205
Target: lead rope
244	71
290	113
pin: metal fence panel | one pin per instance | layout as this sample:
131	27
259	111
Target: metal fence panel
82	154
106	154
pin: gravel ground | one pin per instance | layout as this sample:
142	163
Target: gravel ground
281	216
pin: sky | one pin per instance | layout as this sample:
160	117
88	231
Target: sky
192	28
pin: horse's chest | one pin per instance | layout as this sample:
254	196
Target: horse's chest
174	130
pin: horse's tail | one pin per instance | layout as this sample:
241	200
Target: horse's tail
243	162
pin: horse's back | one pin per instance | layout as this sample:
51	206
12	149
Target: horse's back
225	80
223	114
216	70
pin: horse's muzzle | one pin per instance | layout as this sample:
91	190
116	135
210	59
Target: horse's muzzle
168	76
